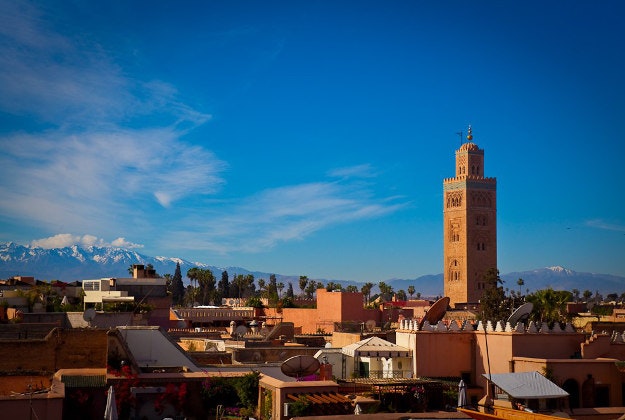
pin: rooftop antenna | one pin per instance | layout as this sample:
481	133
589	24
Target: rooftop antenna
461	134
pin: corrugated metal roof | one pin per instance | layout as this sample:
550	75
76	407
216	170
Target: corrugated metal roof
523	385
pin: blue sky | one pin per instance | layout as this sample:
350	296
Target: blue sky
312	138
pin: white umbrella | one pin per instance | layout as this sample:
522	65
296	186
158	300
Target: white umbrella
462	394
65	301
357	410
110	412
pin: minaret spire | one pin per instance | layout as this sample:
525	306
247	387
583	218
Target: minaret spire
470	134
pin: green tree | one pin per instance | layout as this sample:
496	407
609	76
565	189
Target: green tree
366	292
494	306
411	291
311	286
549	305
207	286
280	287
254	302
587	295
247	389
300	407
243	286
192	274
303	282
177	287
272	290
289	291
401	295
223	287
351	289
520	282
331	286
386	291
262	291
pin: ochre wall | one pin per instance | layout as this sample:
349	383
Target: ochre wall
331	307
442	355
603	372
81	348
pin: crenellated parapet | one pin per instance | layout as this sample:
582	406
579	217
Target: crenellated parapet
411	325
487	180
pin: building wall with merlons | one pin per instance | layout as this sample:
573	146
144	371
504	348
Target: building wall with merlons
567	357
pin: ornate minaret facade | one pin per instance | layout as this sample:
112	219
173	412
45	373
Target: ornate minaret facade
470	226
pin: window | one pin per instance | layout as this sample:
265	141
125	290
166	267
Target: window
91	286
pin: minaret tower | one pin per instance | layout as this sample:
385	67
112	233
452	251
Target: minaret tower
470	226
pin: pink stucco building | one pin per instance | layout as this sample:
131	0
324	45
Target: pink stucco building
588	369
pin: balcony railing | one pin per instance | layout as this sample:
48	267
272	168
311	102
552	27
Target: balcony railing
388	374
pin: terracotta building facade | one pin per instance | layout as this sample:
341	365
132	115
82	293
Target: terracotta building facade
470	226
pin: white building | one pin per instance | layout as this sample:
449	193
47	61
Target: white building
369	358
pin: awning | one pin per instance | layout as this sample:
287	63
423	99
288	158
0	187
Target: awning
320	397
526	385
323	403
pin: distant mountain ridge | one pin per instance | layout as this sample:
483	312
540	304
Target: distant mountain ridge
77	263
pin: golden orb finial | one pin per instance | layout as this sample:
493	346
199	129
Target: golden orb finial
470	134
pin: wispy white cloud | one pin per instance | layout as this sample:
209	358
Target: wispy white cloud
63	240
91	166
283	214
79	180
93	170
600	224
361	171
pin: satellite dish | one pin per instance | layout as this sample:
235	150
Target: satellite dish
231	302
521	313
370	325
88	315
298	366
436	312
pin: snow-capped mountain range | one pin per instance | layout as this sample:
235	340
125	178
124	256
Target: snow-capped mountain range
77	263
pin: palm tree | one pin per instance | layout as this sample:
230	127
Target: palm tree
550	305
280	286
366	291
386	290
520	282
193	274
303	281
261	287
411	291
